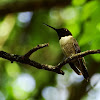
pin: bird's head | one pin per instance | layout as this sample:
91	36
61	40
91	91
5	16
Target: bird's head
62	32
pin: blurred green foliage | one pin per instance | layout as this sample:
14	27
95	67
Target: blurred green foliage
22	31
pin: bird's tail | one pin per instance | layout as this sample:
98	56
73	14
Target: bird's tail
75	68
85	73
83	69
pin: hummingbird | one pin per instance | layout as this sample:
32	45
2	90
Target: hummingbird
69	46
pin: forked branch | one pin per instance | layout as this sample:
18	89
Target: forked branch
25	59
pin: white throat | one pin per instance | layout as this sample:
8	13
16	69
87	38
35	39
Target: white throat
66	39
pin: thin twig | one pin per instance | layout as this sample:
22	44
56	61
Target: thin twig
35	49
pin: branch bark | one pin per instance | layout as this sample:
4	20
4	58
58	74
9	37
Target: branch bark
24	59
79	55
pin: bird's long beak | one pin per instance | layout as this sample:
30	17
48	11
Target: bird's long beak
50	26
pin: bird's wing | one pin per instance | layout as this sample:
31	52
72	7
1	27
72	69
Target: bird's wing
76	47
72	65
80	61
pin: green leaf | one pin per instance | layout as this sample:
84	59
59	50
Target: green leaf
78	3
91	28
96	45
88	9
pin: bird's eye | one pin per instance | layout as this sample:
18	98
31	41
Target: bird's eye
65	29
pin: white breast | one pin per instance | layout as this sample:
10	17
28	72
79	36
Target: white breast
67	45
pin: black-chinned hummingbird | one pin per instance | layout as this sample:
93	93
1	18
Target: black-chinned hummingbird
70	47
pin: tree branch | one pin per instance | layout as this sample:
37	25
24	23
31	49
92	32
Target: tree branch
79	55
25	59
31	5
